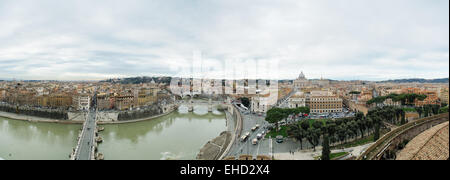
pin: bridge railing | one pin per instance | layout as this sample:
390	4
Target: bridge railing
80	136
375	149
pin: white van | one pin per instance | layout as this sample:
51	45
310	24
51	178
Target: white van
255	141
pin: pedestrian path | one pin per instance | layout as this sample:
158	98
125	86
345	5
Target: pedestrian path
310	154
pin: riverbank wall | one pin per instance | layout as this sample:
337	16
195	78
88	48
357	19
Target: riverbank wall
55	114
220	146
103	117
37	119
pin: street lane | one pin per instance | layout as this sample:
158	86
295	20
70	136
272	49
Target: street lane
87	138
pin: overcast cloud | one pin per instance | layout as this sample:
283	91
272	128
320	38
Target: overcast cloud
336	39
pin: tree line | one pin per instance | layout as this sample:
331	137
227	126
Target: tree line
275	115
405	99
342	130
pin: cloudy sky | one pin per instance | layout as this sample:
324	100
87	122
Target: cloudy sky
336	39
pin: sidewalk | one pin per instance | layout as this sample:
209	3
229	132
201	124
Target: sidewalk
310	154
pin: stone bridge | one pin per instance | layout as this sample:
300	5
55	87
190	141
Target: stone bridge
86	145
190	103
387	145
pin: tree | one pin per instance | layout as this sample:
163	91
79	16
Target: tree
304	125
359	115
313	137
419	110
317	124
326	147
443	110
342	132
377	126
403	121
435	109
354	92
298	132
398	114
426	110
362	126
275	115
353	127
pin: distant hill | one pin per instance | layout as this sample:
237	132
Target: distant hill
138	80
416	80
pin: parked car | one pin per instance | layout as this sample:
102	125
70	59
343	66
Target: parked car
259	136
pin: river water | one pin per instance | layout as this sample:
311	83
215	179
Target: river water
179	135
29	140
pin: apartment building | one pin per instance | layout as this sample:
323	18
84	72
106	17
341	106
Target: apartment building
297	100
323	102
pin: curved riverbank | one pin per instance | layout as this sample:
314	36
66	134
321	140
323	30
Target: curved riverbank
137	120
36	119
219	147
237	130
21	117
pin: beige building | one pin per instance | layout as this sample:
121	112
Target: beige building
124	102
104	101
390	102
146	97
297	100
54	100
324	102
82	102
262	102
444	95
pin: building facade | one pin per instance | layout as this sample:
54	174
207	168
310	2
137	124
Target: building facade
324	102
297	100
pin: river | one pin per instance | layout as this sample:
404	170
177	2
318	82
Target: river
36	141
179	135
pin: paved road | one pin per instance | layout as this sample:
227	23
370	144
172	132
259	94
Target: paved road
285	103
87	138
248	122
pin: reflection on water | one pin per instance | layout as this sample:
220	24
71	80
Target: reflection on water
179	135
27	140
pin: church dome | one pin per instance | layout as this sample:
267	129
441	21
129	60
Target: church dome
301	76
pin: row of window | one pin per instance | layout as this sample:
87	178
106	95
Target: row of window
326	99
326	110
